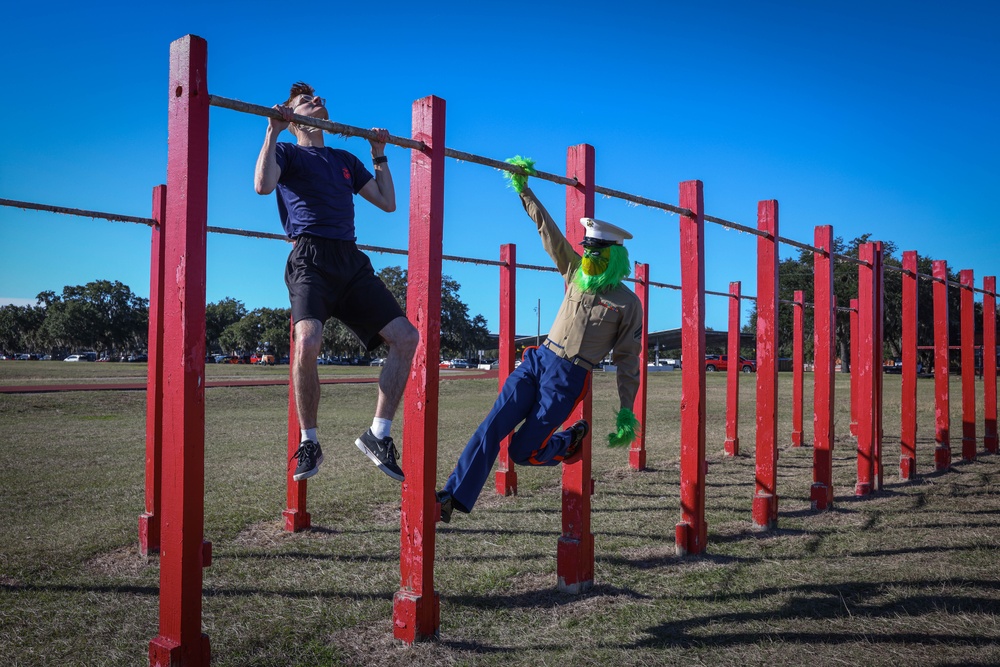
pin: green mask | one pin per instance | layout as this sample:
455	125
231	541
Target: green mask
595	260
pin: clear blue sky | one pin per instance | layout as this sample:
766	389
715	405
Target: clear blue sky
872	116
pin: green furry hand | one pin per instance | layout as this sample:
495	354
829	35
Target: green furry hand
519	181
627	428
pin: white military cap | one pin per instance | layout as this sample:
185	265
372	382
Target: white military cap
603	232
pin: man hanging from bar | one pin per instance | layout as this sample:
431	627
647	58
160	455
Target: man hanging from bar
598	314
327	275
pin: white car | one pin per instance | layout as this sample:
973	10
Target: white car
74	357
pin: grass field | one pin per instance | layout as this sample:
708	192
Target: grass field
908	576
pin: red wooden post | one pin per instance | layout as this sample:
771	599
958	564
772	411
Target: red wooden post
575	551
990	364
908	408
149	521
968	323
506	477
853	352
732	445
637	451
798	361
765	501
416	608
877	359
942	403
691	533
866	370
181	641
295	515
824	329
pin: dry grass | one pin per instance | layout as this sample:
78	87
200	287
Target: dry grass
907	576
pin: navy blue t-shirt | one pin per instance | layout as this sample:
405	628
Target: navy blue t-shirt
316	190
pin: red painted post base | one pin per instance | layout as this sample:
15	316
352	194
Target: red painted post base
637	459
821	497
296	520
506	481
862	489
854	428
164	652
416	618
732	446
796	438
968	449
149	534
942	458
206	554
688	541
907	468
990	444
765	511
574	564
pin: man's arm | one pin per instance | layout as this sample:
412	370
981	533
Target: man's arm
380	190
267	173
553	240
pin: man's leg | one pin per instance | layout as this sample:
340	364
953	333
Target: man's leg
402	339
308	340
539	441
305	379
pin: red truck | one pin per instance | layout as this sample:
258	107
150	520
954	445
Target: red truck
720	362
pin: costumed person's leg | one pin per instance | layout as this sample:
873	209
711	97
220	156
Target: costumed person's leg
561	387
516	400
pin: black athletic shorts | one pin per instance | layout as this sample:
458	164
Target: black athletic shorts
331	278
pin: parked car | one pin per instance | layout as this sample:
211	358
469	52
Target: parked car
377	362
138	358
460	363
74	357
720	362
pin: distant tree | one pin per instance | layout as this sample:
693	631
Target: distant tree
259	329
218	316
21	328
101	315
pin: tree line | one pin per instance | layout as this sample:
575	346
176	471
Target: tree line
106	317
796	274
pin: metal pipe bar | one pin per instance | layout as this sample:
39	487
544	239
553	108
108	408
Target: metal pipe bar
738	227
642	201
803	246
114	217
845	309
664	285
852	260
504	166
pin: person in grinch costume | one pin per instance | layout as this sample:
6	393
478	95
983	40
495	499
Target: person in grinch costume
598	314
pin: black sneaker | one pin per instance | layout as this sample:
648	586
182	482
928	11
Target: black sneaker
449	505
309	455
580	430
383	453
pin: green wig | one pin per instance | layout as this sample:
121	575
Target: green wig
619	267
519	181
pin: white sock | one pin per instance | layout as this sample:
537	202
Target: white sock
309	434
381	427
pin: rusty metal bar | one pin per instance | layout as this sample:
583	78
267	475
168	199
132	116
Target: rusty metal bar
114	217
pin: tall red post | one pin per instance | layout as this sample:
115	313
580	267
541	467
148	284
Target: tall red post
855	348
637	451
798	362
180	641
295	516
942	402
416	608
765	501
732	444
968	315
824	359
692	531
149	521
575	551
990	363
908	407
877	363
506	477
866	369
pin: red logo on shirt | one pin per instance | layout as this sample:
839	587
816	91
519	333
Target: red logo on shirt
347	174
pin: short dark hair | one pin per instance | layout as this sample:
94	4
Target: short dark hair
299	88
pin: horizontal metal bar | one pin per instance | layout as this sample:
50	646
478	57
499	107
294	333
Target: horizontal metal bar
803	246
504	166
642	201
845	309
852	260
725	294
114	217
736	226
664	285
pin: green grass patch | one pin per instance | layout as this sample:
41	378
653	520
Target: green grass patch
907	576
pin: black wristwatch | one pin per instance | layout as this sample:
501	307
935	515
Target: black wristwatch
381	159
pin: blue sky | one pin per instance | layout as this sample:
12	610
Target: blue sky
875	117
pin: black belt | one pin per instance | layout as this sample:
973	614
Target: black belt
576	361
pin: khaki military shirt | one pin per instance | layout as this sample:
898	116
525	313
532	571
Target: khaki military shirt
590	325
